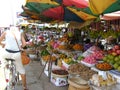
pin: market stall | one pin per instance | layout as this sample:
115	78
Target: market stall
96	68
92	59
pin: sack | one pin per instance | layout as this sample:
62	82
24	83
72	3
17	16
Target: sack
25	58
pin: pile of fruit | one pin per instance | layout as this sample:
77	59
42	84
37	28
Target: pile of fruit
115	51
94	57
63	47
103	66
77	47
48	57
80	57
69	60
114	57
62	56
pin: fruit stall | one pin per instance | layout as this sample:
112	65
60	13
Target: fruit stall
94	68
70	65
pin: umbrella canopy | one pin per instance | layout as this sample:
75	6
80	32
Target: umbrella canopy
42	5
61	10
104	6
111	16
29	14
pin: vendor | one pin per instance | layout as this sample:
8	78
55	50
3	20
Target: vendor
87	44
99	44
23	30
111	41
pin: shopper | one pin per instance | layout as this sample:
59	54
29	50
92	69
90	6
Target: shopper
11	50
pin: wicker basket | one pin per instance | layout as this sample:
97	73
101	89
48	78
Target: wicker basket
77	86
71	87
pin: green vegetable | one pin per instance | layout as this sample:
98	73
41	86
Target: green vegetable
72	62
80	57
44	52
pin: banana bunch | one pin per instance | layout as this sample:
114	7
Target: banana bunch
67	60
62	56
95	34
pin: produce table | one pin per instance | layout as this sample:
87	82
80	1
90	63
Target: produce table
111	87
69	52
93	87
50	64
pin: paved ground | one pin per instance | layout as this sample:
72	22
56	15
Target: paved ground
33	71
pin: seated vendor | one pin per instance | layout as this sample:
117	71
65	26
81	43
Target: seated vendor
87	44
99	44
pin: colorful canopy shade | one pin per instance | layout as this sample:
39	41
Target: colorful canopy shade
33	15
67	14
41	5
111	16
76	3
61	10
104	6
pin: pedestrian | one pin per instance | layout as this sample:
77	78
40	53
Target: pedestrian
11	50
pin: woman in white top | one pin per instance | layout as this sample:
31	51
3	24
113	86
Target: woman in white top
11	50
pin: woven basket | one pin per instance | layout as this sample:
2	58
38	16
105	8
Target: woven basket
75	88
76	82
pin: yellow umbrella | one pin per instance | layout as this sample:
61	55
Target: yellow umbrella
104	6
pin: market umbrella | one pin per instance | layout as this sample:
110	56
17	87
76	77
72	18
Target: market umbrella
29	14
41	5
61	10
111	16
104	6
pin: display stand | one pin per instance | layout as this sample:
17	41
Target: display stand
38	51
43	69
49	67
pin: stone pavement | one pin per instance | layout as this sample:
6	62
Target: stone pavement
33	71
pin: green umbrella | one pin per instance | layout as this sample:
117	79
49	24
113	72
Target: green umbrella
104	6
61	10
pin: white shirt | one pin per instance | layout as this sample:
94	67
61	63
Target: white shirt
10	42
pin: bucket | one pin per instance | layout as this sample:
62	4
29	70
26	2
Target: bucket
59	80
